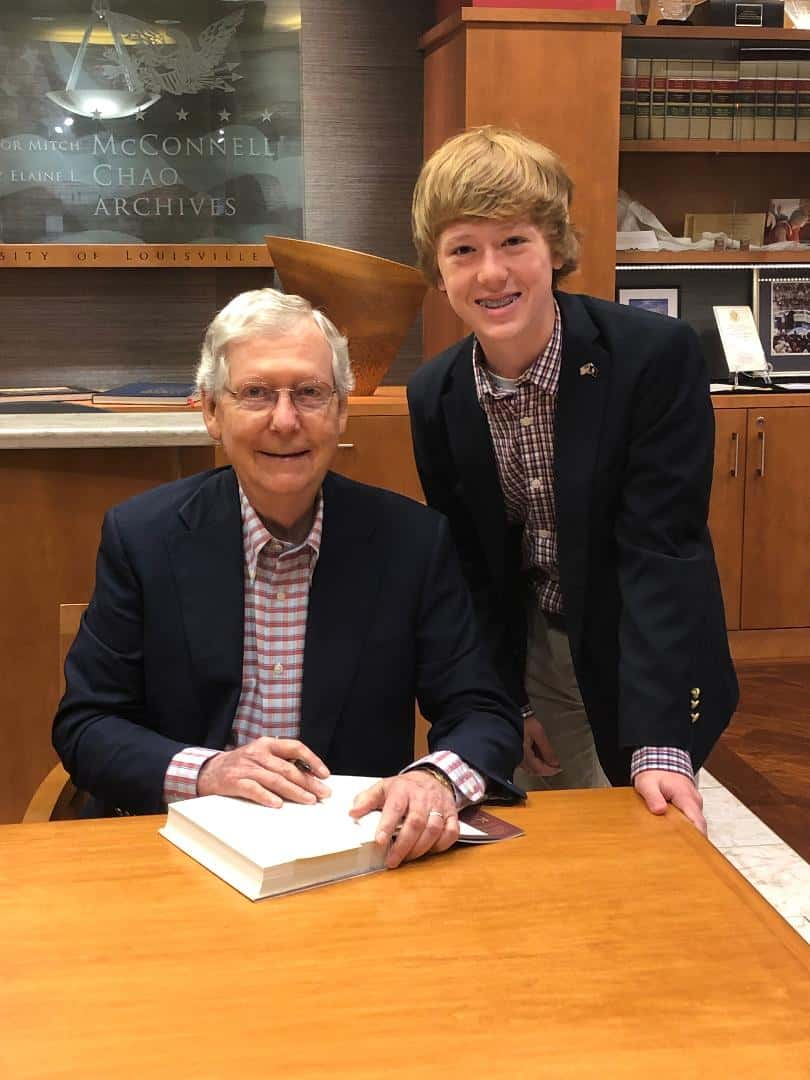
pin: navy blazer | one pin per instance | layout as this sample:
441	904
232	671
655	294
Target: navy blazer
157	662
633	454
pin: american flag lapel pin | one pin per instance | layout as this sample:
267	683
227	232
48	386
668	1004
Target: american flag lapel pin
589	369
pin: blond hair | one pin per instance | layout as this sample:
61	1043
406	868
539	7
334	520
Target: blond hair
496	174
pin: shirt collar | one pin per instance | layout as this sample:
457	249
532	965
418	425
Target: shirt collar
255	535
543	372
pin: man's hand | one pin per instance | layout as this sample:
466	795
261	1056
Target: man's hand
264	772
538	753
657	787
422	807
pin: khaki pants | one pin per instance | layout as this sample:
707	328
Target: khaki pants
557	704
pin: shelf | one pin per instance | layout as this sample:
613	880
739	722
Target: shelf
713	146
723	33
712	258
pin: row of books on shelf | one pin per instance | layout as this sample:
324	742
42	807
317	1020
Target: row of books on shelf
141	394
715	99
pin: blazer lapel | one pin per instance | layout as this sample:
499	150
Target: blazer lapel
581	402
208	568
471	447
345	589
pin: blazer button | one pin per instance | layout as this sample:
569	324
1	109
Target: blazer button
694	716
695	691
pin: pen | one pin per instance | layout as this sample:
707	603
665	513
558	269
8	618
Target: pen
304	766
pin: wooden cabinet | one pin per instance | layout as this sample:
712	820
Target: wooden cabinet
727	505
760	522
377	450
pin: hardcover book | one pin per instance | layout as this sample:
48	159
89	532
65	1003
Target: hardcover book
265	852
146	393
701	99
36	407
627	110
679	97
45	393
787	81
803	101
658	106
744	120
765	99
724	93
643	70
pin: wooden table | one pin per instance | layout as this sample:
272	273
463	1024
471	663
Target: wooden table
604	943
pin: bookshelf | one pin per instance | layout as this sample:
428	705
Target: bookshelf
676	176
716	146
749	259
717	33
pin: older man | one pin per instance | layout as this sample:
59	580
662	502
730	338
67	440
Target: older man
254	627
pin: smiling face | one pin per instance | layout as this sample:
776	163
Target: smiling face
498	279
280	456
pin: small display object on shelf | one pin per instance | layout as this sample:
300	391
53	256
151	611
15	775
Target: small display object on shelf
731	13
788	221
740	227
798	11
783	319
670	11
662	301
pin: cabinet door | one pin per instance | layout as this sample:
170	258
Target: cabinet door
776	548
378	450
726	507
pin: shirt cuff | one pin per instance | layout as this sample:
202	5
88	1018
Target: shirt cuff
180	781
669	758
469	785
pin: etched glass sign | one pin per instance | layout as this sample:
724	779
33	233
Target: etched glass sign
157	121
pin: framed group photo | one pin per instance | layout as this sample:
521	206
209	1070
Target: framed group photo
782	311
662	301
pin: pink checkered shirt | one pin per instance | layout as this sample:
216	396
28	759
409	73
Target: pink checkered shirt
277	576
521	423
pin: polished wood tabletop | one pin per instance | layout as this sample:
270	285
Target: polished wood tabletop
603	943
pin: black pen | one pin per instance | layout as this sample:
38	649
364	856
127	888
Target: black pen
304	766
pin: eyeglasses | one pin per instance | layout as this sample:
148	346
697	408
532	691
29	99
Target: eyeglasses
306	397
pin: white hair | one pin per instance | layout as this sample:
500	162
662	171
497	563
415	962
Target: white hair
264	312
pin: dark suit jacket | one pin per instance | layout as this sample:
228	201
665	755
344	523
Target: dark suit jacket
157	663
632	466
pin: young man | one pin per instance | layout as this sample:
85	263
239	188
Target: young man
254	627
569	441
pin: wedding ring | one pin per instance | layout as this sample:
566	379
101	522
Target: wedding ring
438	813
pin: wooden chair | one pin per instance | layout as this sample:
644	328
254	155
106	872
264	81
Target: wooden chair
56	798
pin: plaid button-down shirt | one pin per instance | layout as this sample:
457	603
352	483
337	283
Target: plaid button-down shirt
520	414
277	577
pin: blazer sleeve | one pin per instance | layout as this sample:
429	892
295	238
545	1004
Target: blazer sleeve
666	569
101	730
458	690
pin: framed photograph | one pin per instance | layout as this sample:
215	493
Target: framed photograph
663	301
787	219
783	318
